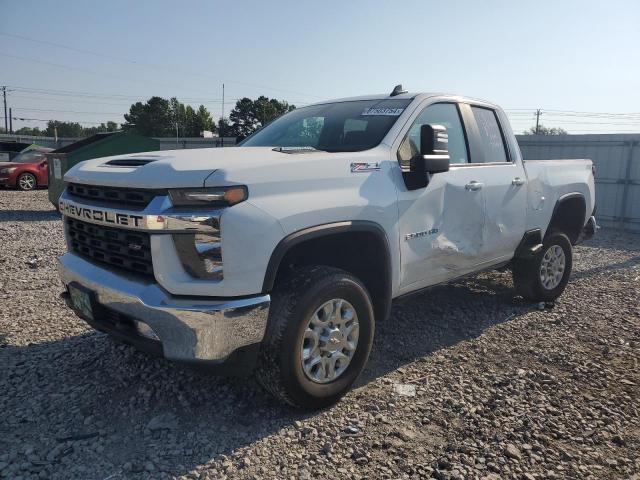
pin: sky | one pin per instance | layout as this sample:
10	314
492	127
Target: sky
88	60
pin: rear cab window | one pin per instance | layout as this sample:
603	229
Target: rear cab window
490	135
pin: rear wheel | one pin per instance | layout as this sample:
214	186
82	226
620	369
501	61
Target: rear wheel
318	339
544	277
26	181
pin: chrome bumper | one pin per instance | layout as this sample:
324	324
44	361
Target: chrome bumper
190	329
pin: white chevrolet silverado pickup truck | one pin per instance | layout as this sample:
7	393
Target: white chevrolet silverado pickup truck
279	255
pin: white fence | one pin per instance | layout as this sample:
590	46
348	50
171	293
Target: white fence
617	161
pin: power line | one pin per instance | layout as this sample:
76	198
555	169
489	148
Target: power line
78	69
65	100
591	113
66	111
171	69
22	119
106	96
116	96
571	113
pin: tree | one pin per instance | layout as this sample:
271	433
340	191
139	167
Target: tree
111	126
63	129
224	128
159	117
30	131
250	115
542	130
102	128
203	120
153	118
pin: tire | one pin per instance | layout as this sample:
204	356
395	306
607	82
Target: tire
294	303
528	274
26	181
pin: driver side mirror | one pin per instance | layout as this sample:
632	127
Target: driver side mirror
434	150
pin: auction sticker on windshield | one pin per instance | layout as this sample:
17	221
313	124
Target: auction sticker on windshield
391	112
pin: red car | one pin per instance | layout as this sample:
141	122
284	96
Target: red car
26	171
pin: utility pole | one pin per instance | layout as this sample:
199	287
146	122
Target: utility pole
222	120
4	94
10	121
538	113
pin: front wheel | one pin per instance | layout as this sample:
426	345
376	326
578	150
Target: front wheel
544	277
26	181
318	338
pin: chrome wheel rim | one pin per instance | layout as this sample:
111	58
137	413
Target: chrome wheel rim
329	341
27	182
552	267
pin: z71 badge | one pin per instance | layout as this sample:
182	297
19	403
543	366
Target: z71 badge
365	167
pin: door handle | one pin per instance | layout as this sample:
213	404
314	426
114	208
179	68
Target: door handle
473	186
517	181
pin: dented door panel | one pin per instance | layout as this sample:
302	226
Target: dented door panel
442	228
506	205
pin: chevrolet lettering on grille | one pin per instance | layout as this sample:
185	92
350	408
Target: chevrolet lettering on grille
96	215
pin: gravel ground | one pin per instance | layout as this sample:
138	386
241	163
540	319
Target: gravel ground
501	389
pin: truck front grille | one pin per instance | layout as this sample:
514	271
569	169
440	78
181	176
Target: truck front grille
122	249
129	198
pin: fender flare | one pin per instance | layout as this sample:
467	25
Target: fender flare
381	297
323	230
563	199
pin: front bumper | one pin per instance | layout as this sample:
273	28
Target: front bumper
189	329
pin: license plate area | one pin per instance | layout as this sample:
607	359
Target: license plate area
82	300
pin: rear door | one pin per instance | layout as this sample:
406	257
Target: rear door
503	179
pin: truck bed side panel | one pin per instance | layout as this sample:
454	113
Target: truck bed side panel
549	180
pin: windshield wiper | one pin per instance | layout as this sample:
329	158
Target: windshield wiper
305	149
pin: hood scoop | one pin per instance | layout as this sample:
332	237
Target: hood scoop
130	162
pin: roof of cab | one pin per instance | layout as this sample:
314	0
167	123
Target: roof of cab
408	96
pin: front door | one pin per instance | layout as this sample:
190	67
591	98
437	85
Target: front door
442	225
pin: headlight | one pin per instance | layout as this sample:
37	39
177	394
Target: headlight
214	196
8	170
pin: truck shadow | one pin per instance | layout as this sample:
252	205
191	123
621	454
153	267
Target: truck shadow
139	409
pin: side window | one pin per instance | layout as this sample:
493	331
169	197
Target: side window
491	138
445	114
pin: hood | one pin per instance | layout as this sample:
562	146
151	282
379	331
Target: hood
173	168
192	167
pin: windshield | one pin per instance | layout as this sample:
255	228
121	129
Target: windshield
349	126
29	157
